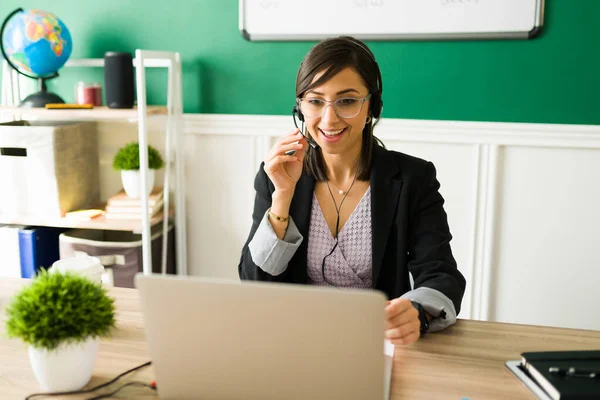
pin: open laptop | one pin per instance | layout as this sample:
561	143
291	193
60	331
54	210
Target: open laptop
221	339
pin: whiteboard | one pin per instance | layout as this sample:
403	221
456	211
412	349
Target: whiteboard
390	19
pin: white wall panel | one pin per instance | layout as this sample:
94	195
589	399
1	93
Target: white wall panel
547	265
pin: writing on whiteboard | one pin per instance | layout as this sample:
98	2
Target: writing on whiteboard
267	4
447	2
367	3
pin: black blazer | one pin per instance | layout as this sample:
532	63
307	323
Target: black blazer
410	228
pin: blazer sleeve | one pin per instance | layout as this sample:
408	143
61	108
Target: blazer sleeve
431	262
247	269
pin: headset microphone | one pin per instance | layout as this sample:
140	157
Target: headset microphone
312	143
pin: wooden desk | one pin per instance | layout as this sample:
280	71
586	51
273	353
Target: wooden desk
464	361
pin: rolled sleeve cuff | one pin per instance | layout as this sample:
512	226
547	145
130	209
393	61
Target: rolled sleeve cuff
436	304
270	253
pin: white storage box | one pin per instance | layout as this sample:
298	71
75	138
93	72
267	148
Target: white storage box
47	168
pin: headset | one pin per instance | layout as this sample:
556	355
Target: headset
376	103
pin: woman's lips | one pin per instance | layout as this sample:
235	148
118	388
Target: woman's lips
332	136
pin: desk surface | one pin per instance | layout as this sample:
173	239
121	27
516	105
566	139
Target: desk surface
463	361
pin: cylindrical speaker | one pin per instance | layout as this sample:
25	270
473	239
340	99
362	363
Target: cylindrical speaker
118	79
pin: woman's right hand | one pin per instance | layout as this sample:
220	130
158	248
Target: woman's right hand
283	170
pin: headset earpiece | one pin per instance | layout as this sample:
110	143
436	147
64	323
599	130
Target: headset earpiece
376	100
376	106
298	113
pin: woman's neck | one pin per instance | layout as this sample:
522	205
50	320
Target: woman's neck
341	168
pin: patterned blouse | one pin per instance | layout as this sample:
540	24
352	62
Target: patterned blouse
350	265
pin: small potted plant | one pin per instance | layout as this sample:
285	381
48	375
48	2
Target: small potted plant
127	160
61	316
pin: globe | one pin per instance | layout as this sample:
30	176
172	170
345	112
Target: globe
37	44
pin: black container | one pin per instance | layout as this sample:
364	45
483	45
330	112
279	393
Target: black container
118	79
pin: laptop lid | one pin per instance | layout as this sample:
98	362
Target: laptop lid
221	339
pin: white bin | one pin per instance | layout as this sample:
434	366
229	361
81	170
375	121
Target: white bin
47	168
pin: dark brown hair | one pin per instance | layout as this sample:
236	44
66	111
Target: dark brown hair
332	56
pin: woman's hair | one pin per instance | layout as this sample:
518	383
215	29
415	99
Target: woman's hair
332	56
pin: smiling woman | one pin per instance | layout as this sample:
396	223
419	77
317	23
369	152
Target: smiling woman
384	219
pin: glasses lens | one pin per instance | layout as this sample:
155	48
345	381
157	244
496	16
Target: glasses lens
345	108
312	108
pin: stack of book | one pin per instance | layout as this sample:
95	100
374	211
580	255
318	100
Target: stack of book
121	206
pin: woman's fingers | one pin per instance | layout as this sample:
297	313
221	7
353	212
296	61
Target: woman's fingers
400	331
402	322
287	142
398	306
272	164
408	339
282	149
407	315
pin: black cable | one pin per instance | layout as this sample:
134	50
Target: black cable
337	224
104	396
90	389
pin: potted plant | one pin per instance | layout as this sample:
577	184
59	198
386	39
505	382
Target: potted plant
61	316
127	160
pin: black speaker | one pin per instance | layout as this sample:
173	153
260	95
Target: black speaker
118	79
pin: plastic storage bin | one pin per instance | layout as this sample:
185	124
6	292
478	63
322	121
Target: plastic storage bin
47	168
119	251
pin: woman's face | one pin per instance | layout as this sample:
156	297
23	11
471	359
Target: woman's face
337	134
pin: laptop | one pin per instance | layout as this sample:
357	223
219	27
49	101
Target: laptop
222	339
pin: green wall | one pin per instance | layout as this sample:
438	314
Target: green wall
551	79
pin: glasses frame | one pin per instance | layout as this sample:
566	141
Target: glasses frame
331	103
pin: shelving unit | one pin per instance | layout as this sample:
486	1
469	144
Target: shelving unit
140	115
95	114
99	222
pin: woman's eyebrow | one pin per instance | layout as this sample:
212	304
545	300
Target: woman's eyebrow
337	94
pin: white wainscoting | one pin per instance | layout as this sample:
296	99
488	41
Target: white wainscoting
522	202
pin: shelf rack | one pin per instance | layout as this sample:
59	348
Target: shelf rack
173	111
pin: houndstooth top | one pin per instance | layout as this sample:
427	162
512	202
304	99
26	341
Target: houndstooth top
351	263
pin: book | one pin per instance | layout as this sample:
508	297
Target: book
38	247
121	199
131	212
134	210
565	375
121	206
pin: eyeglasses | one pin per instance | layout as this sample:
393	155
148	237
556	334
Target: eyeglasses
347	107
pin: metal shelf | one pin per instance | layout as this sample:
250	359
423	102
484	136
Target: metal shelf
173	140
102	113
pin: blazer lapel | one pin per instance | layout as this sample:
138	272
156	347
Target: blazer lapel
300	209
385	192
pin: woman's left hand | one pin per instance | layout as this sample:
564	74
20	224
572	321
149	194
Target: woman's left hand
402	325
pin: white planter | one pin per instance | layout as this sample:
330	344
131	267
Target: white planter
68	367
132	182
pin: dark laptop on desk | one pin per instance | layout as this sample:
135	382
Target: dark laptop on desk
217	339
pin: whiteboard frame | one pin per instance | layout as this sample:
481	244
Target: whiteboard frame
539	23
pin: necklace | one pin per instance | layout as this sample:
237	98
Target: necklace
340	191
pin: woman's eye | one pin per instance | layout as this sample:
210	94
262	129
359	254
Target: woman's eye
347	102
315	102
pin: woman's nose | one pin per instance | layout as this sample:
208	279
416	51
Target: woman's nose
329	114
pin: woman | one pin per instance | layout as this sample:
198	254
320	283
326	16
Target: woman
336	208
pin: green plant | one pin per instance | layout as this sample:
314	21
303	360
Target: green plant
58	307
128	157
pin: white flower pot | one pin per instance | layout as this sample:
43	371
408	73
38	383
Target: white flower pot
68	367
132	182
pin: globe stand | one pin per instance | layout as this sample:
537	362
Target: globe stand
40	98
